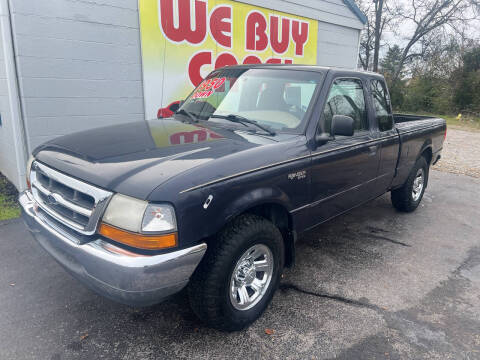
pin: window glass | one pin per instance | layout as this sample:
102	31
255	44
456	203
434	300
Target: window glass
298	94
383	112
346	98
275	98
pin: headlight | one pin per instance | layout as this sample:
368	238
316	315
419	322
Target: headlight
29	168
125	213
139	224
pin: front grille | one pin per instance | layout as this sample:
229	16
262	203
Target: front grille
73	203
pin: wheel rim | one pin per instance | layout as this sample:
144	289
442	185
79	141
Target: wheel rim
251	277
418	184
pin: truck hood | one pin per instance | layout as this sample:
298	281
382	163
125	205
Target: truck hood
135	158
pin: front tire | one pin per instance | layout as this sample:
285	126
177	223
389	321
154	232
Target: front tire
408	197
239	274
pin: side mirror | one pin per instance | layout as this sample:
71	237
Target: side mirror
342	125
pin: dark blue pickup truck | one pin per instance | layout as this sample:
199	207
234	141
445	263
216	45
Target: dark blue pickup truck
216	196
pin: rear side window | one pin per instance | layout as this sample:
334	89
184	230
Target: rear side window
383	111
346	97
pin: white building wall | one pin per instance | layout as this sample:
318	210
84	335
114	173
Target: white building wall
7	149
12	147
79	65
337	46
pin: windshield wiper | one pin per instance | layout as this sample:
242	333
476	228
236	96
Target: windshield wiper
243	120
188	113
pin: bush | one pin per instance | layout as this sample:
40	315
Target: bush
434	88
428	94
7	189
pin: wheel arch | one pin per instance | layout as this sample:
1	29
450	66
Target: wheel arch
271	204
282	219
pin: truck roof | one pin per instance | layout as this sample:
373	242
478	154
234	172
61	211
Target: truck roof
316	68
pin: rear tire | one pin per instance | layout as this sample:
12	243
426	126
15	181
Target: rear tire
228	272
408	197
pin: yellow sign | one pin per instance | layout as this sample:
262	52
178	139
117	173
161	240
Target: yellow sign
183	40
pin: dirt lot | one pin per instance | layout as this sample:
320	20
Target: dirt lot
461	153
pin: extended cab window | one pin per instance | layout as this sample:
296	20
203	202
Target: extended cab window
383	111
346	97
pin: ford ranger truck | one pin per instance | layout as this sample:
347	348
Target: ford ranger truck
214	197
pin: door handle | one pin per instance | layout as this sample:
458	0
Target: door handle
372	150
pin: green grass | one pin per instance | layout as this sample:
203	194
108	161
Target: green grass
465	123
9	208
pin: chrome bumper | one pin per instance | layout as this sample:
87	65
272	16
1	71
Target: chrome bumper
123	276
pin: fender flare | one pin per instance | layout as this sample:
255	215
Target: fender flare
267	196
254	198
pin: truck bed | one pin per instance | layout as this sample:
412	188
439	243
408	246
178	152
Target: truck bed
406	122
401	118
416	133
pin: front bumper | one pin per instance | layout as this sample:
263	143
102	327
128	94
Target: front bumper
118	274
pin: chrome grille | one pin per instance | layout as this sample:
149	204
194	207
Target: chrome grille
72	202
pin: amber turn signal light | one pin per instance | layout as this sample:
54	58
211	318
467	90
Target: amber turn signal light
140	241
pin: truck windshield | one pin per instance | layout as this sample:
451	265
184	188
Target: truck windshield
274	98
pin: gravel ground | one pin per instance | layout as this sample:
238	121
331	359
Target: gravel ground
461	153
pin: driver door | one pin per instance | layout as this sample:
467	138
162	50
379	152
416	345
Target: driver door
344	169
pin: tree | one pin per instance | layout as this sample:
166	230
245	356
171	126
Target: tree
467	87
441	57
444	81
379	25
471	60
390	65
426	16
367	38
379	16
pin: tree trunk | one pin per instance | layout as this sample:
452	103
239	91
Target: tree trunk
378	32
367	59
